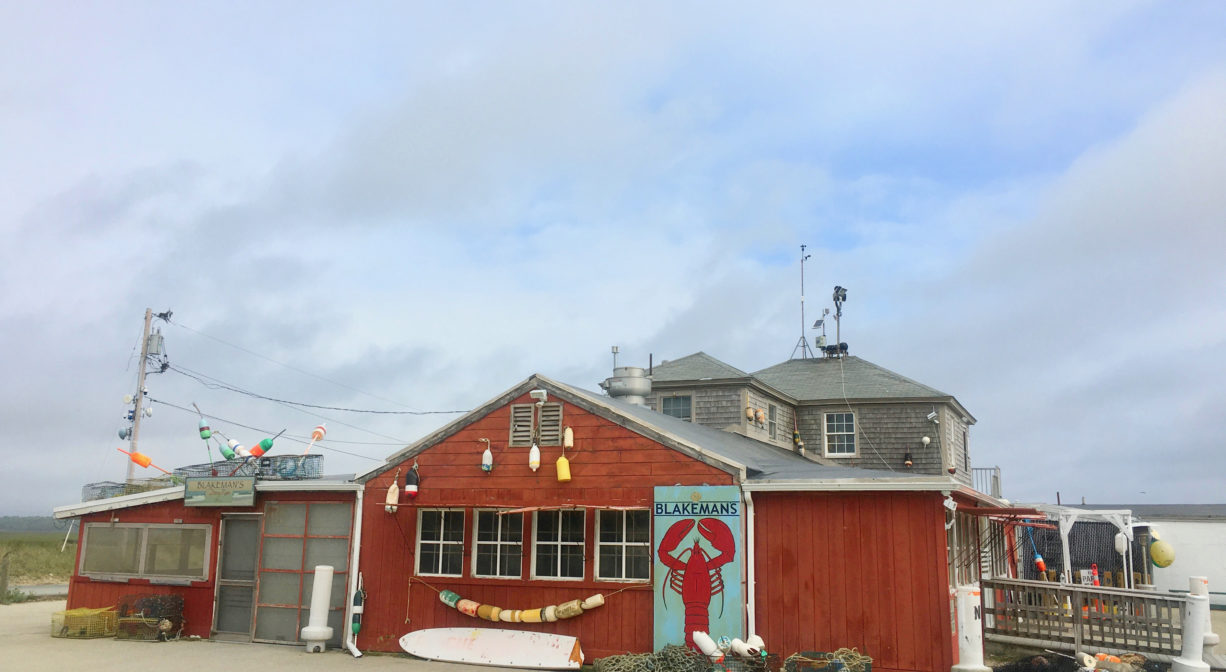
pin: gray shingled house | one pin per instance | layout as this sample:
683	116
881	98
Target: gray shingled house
836	411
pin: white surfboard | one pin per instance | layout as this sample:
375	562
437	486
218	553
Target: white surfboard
489	646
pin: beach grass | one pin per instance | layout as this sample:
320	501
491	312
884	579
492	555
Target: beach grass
35	557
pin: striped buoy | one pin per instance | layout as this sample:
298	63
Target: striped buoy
411	482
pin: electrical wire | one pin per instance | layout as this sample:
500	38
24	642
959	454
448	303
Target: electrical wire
843	382
287	437
292	368
218	384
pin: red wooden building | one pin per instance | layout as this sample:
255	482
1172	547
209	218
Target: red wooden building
834	556
244	572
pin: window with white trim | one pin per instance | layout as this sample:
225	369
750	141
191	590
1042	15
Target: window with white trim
499	541
678	407
840	429
623	545
558	545
161	553
772	423
440	542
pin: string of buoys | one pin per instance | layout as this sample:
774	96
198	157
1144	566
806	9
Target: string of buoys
550	614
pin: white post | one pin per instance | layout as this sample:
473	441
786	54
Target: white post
317	632
1194	616
970	630
1199	585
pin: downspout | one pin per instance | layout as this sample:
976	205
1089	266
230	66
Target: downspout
351	639
749	560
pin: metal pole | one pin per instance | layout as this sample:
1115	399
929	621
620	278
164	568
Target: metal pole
140	391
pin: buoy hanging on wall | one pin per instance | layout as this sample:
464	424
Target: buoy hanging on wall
412	481
534	458
392	502
487	457
563	470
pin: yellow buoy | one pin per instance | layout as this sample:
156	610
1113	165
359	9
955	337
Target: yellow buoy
1161	553
563	470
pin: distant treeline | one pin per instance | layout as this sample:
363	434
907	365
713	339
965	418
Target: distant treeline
30	524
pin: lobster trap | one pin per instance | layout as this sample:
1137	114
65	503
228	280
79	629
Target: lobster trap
843	660
109	489
84	623
265	468
149	616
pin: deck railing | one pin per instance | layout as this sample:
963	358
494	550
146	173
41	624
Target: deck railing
986	480
1081	618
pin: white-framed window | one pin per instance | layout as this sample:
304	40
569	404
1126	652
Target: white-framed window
440	542
772	414
840	430
623	545
678	407
160	553
557	551
499	544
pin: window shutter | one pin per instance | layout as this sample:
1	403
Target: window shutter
551	425
521	425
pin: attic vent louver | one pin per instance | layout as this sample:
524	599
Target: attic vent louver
551	425
521	425
547	428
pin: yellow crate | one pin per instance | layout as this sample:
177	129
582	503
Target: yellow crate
84	623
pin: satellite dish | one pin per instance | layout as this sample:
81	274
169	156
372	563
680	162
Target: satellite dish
127	398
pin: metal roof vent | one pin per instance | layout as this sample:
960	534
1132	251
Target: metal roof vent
628	383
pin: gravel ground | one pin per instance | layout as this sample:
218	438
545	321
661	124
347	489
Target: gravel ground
26	645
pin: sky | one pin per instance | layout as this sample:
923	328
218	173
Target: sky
413	207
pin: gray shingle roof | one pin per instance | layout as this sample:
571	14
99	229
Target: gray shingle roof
697	366
822	379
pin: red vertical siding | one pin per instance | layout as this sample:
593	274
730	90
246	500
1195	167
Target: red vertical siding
198	596
610	466
864	570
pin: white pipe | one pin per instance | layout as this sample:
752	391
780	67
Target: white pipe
1199	585
351	640
751	575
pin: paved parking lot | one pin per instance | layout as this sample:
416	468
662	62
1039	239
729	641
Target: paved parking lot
26	645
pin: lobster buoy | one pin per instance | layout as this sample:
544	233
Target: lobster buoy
467	607
534	458
262	447
707	645
392	502
592	602
756	646
487	460
205	432
358	607
241	450
319	432
531	615
569	609
550	614
227	449
740	648
1039	564
487	612
449	598
1161	553
411	482
563	470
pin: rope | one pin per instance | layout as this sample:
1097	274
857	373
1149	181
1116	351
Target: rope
848	659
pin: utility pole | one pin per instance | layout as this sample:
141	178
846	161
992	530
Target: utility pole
140	391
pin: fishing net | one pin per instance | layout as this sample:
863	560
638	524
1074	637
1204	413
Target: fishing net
849	660
150	616
84	623
675	658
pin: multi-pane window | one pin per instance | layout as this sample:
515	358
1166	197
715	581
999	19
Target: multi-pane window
499	541
558	552
165	552
440	542
623	545
773	417
840	434
678	407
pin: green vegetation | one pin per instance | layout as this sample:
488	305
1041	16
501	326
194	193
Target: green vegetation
32	524
35	557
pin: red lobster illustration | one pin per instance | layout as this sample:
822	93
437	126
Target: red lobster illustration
696	576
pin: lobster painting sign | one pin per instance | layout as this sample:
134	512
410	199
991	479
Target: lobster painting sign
698	563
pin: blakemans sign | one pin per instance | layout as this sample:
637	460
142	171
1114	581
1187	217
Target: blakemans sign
219	491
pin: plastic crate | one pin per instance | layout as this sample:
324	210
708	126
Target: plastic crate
84	623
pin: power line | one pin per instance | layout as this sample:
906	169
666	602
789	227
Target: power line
292	368
288	437
217	383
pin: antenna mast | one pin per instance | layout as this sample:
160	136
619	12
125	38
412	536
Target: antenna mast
802	346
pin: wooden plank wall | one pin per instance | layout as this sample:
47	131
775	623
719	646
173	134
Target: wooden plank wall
610	466
198	596
864	570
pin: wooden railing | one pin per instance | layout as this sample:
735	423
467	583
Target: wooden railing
1081	618
986	480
